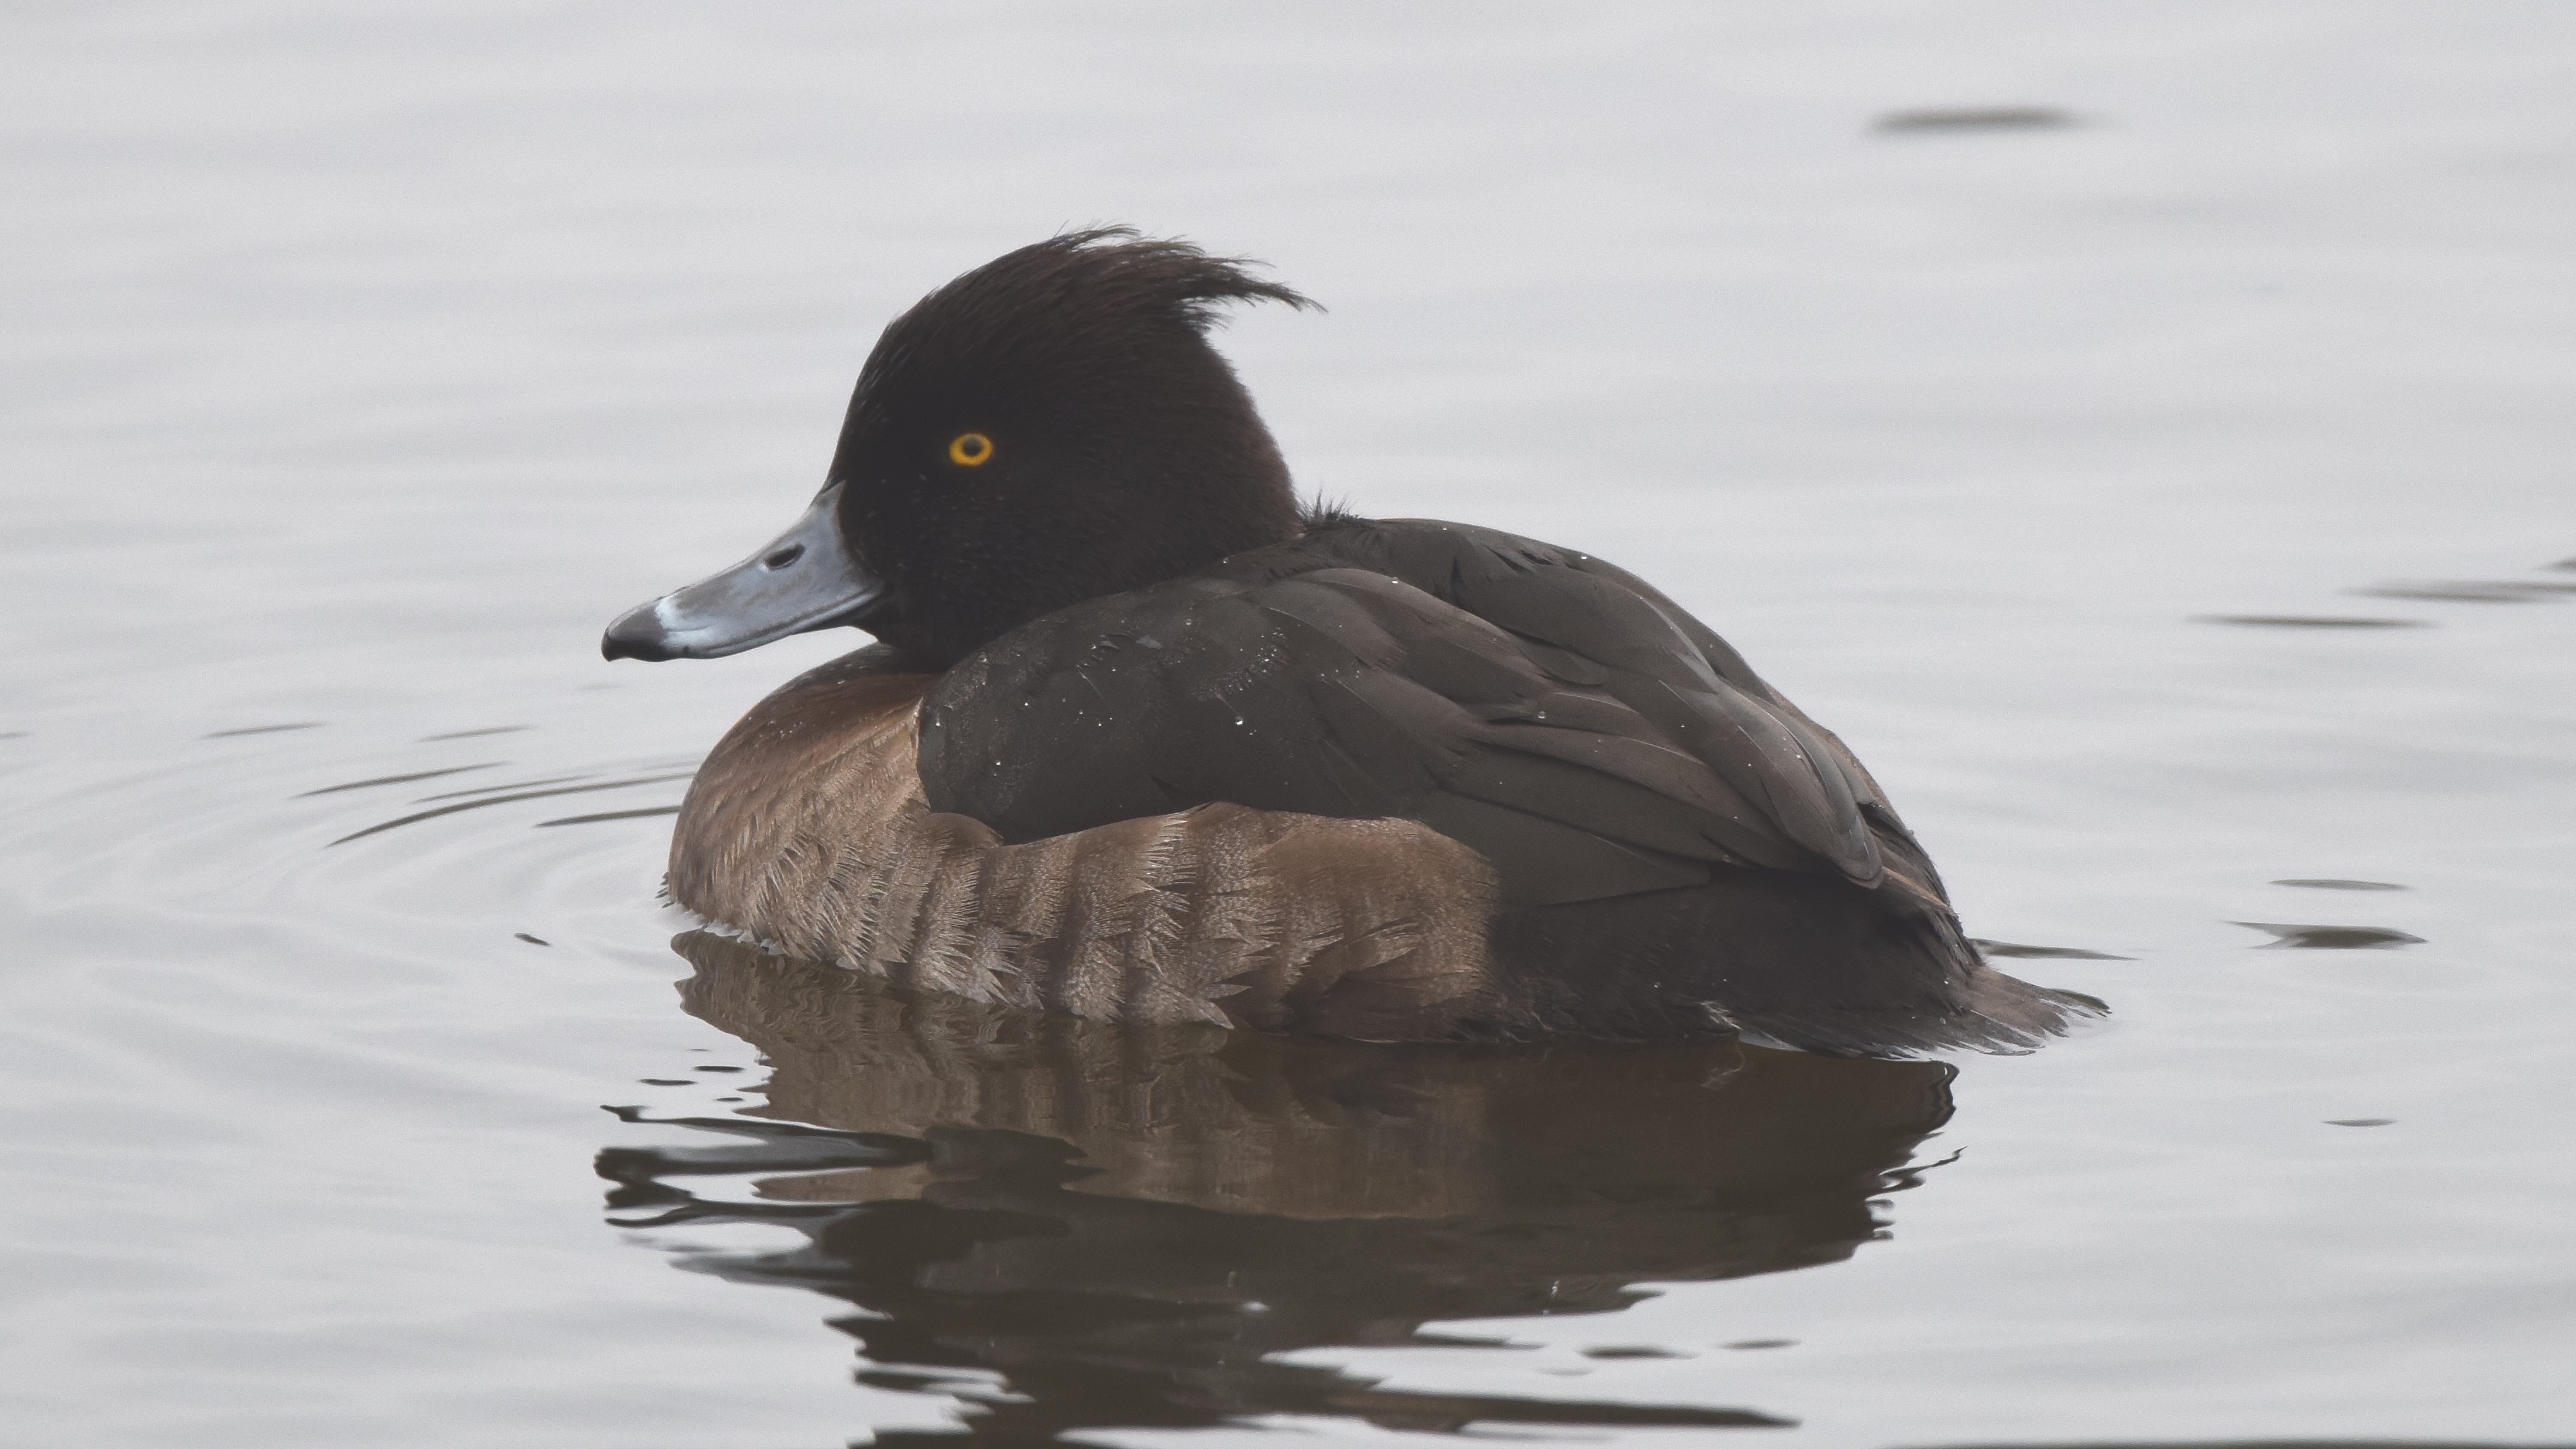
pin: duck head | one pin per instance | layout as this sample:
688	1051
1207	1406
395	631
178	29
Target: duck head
1050	427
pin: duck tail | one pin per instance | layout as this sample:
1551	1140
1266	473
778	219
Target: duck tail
1806	963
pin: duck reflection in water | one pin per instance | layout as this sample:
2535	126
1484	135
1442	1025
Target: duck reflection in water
1128	1224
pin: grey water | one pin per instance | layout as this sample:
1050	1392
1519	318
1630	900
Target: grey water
2143	430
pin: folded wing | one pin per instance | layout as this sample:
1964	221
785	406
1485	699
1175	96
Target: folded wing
1551	712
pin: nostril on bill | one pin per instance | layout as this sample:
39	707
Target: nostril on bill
783	557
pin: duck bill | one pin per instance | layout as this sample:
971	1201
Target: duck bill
802	580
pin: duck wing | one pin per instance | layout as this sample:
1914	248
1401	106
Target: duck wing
1556	715
1521	584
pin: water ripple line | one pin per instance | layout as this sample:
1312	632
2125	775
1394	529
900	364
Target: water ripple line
401	779
508	799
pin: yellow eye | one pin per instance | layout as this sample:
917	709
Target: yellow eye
970	450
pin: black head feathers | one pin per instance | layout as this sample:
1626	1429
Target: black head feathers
1104	275
1026	321
1050	427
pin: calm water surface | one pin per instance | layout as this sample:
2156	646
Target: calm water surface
2169	497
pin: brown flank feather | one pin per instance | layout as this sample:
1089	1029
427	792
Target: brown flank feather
806	830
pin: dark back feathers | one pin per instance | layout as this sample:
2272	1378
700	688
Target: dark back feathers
1545	709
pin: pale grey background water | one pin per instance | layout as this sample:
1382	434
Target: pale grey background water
363	360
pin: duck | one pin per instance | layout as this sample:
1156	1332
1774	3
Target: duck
1143	737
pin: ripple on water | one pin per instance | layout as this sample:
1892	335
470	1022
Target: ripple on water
2474	591
1969	119
512	798
2019	951
2331	938
240	825
2312	621
266	729
382	780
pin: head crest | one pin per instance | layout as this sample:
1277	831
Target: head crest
1118	268
1079	295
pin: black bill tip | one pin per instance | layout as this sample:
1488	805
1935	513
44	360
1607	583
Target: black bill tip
639	633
